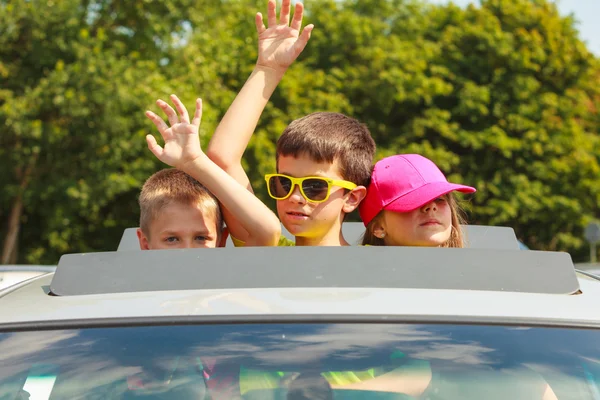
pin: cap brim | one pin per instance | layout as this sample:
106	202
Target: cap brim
425	194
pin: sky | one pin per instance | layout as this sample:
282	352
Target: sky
586	12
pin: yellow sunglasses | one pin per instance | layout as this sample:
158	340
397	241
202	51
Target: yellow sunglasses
314	188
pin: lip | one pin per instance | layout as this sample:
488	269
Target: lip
296	215
431	222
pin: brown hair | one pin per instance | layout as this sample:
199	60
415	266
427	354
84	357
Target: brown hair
170	186
326	137
456	235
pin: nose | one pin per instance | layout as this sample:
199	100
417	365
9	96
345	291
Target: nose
431	206
296	196
186	244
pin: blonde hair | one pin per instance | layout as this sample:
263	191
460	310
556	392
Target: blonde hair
456	235
170	186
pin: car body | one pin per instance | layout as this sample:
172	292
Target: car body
591	268
269	323
11	274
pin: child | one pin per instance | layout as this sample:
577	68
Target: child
182	150
323	159
176	212
323	164
409	202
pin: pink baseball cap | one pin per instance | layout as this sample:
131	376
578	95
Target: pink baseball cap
404	183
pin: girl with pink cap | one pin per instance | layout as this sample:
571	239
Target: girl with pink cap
410	202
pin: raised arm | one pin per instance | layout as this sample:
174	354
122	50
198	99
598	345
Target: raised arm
182	150
278	46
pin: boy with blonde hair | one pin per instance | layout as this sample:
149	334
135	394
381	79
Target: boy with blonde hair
182	150
323	159
176	211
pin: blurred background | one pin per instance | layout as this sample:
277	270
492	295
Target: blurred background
503	95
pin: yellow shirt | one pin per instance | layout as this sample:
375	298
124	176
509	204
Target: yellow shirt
283	241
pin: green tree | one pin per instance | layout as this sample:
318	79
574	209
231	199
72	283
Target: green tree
518	116
75	78
502	96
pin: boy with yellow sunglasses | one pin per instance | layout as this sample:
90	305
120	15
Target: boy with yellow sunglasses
323	159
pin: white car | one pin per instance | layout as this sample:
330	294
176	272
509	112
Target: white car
11	274
295	323
591	268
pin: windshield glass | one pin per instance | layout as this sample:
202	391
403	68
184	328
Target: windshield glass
298	361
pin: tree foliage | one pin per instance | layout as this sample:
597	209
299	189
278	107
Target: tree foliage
501	95
75	78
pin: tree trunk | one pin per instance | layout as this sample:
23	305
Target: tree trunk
14	225
9	250
14	257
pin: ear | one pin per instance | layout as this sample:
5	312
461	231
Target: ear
378	231
144	245
378	228
353	198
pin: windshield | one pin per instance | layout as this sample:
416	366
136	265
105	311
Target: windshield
297	361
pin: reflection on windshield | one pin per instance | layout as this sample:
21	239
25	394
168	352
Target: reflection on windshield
296	361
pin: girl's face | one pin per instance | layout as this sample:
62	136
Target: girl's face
430	225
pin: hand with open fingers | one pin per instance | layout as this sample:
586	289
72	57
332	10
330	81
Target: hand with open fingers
281	43
182	142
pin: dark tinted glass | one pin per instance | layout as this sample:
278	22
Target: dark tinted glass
289	361
315	189
280	186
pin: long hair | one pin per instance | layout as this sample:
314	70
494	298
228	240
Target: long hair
458	219
369	238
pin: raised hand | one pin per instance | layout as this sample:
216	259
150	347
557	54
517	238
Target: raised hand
281	43
182	143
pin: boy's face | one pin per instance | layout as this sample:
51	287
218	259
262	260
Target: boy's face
306	219
180	226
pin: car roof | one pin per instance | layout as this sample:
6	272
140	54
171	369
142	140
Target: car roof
27	268
29	304
11	274
498	286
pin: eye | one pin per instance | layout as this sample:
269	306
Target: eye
440	200
201	238
172	239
